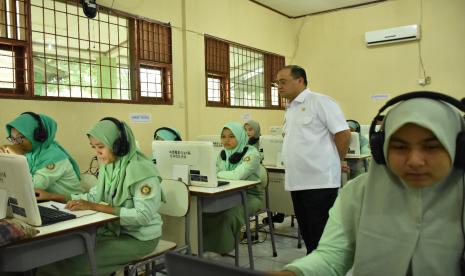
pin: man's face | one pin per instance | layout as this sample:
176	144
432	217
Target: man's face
288	87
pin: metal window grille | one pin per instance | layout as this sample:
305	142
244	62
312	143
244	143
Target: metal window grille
78	57
239	76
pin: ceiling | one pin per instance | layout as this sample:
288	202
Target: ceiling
299	8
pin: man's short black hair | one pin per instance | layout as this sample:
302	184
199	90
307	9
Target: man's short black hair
297	72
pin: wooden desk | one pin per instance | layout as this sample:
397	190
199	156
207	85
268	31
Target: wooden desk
209	200
54	243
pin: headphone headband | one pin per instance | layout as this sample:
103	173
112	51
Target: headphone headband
176	135
377	137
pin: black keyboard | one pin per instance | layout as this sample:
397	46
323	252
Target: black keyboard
51	216
221	183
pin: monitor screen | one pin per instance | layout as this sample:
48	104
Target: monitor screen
16	180
271	146
198	155
215	139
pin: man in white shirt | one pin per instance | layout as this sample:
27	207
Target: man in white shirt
316	139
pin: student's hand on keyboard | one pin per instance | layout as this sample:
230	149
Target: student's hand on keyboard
80	204
13	149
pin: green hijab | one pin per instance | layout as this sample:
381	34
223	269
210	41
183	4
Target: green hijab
399	230
116	178
241	136
43	153
256	127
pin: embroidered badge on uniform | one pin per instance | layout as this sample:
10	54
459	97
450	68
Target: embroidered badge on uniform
247	158
145	190
51	166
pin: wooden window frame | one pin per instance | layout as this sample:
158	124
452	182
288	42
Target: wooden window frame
215	62
26	91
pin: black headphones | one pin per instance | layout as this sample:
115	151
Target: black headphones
377	138
253	140
176	135
121	145
235	157
40	132
357	125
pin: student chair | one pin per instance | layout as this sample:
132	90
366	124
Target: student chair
265	209
176	205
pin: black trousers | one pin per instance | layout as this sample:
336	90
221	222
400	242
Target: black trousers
311	209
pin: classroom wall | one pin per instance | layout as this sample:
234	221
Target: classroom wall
331	47
240	21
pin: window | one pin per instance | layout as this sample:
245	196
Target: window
238	76
108	58
13	47
154	60
78	57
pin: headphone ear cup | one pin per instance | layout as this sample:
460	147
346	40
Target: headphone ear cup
223	155
40	134
376	145
459	161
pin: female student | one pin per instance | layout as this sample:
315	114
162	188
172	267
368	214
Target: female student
252	129
165	134
128	186
237	162
55	173
405	216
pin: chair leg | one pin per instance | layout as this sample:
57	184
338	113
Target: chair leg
299	238
292	220
256	227
236	249
273	245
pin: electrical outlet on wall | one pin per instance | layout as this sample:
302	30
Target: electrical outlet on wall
424	81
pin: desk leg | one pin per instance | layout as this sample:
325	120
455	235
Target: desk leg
247	228
89	241
199	227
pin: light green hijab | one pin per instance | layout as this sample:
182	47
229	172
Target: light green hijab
241	136
399	230
43	153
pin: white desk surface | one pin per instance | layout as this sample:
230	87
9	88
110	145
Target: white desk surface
361	156
274	168
232	186
69	225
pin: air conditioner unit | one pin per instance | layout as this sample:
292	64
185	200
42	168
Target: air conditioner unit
392	35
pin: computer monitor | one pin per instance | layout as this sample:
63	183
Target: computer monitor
271	146
198	155
354	147
16	180
215	139
181	265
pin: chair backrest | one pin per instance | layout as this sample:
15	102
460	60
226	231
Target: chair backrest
263	177
88	181
176	198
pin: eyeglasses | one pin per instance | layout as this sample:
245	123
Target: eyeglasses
16	140
280	82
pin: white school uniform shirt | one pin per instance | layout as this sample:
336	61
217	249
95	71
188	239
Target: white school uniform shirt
309	153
